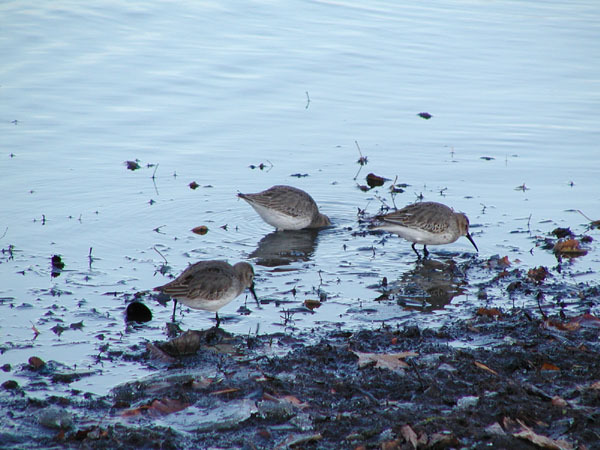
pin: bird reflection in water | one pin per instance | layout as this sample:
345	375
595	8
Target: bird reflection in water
281	248
431	285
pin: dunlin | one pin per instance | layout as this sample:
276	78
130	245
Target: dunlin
287	208
427	223
210	285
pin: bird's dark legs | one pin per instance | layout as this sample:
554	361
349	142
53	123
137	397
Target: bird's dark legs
425	251
218	320
174	306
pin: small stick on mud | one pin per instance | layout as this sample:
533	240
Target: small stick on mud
539	297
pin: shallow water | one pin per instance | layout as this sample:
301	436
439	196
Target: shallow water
203	90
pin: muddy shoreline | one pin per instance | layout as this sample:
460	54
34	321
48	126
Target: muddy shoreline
536	384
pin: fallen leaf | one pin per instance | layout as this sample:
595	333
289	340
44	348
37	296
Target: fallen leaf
548	366
159	354
584	320
225	391
559	401
587	320
569	248
444	439
157	407
312	304
484	367
297	439
390	445
391	361
409	435
491	312
375	180
562	232
528	434
132	165
36	362
538	274
201	230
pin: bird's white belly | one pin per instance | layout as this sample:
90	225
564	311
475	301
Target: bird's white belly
420	236
280	220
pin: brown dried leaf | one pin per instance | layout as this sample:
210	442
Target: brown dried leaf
584	320
312	304
186	344
569	247
225	391
201	230
391	361
549	366
528	434
484	367
491	312
375	180
157	407
409	435
157	353
36	363
538	274
559	401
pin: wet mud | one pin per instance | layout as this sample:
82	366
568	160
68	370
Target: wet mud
530	383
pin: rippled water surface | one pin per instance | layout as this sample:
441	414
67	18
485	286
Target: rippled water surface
202	91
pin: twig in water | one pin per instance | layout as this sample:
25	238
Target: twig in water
161	255
154	179
362	160
90	258
307	100
528	223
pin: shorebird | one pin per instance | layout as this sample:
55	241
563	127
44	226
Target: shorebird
427	223
287	208
210	285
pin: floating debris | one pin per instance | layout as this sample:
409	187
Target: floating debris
375	180
138	312
201	230
133	165
562	232
194	185
425	115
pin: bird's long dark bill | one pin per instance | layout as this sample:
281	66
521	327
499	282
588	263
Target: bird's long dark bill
251	288
472	241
